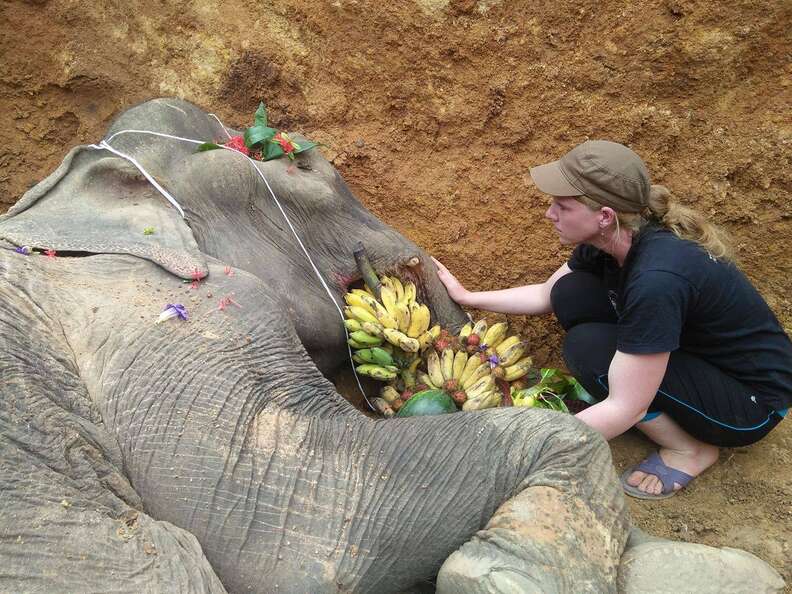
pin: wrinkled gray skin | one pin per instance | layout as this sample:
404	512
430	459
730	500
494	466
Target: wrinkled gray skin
213	454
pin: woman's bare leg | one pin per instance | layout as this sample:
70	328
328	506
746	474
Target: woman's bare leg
678	449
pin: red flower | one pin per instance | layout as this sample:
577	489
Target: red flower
50	253
285	143
238	144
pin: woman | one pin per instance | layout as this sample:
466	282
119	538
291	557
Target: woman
661	326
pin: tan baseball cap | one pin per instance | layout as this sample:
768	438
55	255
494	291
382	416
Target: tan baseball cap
606	172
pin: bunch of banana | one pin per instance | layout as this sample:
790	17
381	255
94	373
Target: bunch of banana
483	393
375	362
398	318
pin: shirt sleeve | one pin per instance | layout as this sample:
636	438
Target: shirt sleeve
586	258
654	308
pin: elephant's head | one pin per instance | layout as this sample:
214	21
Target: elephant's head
98	202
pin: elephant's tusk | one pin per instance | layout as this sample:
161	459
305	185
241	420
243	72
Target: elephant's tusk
367	270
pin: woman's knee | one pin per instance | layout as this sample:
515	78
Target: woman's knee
588	351
580	297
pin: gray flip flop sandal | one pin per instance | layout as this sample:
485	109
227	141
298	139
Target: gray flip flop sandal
655	466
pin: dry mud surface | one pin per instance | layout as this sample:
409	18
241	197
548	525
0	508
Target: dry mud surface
433	110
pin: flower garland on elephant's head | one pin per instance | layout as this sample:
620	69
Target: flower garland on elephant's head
261	142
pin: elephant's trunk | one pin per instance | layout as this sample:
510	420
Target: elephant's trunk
564	532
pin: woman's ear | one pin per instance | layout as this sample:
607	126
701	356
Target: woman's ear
607	217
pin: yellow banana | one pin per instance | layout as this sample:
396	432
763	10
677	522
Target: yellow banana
484	384
395	285
401	340
403	316
360	314
465	332
423	378
511	355
434	331
447	364
480	372
364	338
506	344
480	329
388	299
472	364
495	334
384	318
424	340
517	370
352	325
489	399
383	407
460	361
363	292
389	394
419	319
375	329
434	368
360	301
410	293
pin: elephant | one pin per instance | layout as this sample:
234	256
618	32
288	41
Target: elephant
214	454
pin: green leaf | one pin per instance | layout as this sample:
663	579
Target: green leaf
306	145
578	392
260	119
272	151
207	146
257	135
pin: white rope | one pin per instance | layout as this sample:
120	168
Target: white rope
104	144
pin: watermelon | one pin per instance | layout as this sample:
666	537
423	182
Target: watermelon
428	402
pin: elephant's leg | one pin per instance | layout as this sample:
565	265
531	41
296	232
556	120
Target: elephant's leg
69	520
563	532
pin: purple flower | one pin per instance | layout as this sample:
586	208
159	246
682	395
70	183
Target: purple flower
172	310
23	249
493	361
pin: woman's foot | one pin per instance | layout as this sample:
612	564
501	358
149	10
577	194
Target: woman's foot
692	462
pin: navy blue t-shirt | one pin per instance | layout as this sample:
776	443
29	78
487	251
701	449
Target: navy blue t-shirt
671	294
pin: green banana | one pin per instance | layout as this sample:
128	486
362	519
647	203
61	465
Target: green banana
376	371
364	338
352	325
376	356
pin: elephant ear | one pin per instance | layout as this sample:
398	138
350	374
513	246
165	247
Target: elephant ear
100	204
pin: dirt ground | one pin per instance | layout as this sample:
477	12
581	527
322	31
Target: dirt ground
433	110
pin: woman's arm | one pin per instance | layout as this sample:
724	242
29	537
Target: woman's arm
528	299
633	381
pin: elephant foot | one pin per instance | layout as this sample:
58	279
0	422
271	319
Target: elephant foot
543	541
657	565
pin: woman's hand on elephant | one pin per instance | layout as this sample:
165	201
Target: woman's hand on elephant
455	289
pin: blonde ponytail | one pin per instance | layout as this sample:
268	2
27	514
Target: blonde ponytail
687	223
